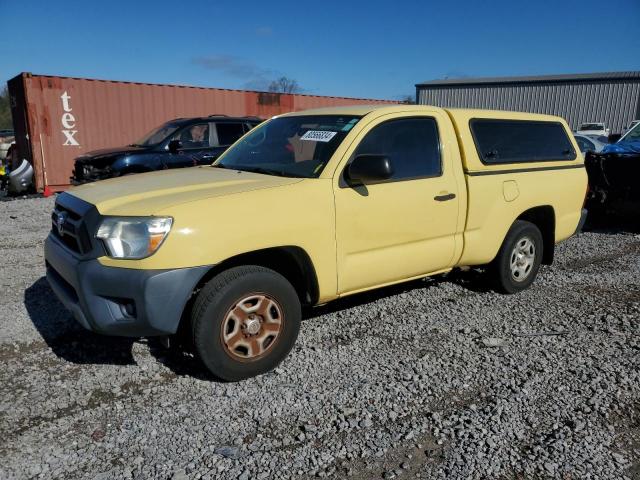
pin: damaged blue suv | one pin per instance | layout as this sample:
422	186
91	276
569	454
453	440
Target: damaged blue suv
183	142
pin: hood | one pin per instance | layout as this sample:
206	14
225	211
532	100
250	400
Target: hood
109	152
150	193
623	147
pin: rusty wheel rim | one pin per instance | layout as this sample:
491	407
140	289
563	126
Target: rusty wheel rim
251	327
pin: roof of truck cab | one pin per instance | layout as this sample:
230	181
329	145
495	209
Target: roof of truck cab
459	114
463	115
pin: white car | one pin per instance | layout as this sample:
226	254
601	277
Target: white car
593	128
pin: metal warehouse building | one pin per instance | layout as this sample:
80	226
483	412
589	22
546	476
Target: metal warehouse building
611	97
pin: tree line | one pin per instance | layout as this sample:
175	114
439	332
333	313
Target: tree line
5	110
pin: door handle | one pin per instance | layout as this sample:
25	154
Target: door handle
444	198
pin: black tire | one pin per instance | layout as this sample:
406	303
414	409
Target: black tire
504	278
213	307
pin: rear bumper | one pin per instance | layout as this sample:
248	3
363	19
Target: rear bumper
119	301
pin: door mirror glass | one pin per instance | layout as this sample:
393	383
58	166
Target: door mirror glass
175	145
369	169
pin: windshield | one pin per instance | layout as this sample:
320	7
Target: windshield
298	146
157	135
591	126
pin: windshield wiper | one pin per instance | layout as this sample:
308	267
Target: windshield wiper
264	171
270	171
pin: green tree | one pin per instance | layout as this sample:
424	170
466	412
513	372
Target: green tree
5	110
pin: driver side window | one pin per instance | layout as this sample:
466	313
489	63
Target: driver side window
412	145
194	136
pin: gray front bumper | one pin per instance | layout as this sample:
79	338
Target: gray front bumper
119	301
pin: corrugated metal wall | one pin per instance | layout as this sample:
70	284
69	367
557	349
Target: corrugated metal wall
615	102
65	117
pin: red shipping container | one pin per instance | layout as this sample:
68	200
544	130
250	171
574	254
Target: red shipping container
58	118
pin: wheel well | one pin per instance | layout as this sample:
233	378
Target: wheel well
291	262
544	218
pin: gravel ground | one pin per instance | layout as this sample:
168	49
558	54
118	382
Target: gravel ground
434	379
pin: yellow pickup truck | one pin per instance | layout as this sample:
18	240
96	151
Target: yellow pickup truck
309	207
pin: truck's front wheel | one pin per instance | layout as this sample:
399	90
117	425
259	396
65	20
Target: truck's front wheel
245	322
518	261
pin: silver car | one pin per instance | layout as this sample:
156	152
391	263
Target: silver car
589	144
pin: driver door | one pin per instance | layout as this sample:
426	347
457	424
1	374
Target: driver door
405	226
198	143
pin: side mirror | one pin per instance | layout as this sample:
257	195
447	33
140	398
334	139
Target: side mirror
614	137
369	169
175	145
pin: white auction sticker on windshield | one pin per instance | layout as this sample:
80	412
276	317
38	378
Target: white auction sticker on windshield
318	136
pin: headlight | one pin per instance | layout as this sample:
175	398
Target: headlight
133	237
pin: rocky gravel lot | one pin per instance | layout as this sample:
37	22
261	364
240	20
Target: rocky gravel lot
434	379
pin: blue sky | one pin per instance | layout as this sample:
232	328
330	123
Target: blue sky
362	49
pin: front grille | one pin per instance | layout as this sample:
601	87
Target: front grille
74	223
84	173
67	226
70	227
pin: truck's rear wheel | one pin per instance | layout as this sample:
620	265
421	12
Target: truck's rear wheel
245	321
518	261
